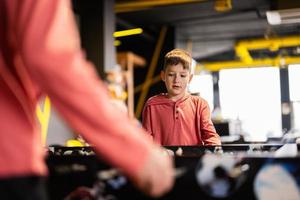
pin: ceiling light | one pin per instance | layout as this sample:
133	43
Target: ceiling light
289	16
128	32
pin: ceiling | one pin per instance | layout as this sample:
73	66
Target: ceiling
209	34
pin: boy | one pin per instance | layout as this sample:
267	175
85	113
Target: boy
178	118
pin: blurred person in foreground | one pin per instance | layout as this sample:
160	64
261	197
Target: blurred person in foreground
40	54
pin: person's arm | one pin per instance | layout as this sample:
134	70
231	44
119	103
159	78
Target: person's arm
146	121
209	134
50	49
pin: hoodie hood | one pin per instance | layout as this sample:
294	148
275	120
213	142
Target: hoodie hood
163	99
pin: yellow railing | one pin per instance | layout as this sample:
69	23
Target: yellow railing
43	116
242	51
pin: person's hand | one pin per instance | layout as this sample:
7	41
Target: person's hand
178	152
157	176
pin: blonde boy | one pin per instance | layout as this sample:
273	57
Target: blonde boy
177	117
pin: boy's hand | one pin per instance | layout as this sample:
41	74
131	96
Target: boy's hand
157	176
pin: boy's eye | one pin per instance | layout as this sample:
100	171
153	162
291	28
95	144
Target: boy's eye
171	74
183	76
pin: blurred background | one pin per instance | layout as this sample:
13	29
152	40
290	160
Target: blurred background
246	59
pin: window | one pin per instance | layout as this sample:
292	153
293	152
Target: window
294	82
203	84
252	95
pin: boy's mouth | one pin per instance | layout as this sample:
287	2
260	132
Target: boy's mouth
176	86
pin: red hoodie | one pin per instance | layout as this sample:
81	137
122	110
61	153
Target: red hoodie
184	122
40	54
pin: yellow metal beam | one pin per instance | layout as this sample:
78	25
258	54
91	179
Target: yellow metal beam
223	5
44	117
269	62
151	71
130	6
272	44
242	51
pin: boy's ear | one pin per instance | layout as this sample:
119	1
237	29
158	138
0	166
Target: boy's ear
191	77
162	75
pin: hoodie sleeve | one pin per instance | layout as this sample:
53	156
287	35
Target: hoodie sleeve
208	131
146	120
50	49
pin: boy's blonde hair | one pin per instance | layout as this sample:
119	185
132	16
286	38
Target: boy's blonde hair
178	56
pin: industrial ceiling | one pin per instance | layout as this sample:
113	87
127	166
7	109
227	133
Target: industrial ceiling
208	30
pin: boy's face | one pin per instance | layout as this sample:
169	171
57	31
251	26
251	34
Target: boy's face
176	79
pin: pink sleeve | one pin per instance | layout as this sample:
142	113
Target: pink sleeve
209	134
51	52
146	121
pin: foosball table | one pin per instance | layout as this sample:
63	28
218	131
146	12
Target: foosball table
240	171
